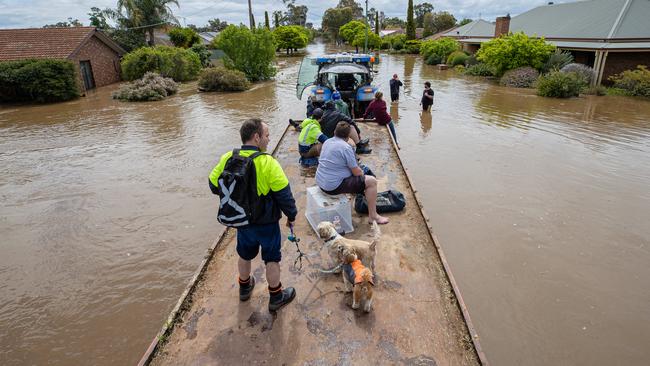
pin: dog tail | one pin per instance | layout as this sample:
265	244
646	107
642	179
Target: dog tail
376	231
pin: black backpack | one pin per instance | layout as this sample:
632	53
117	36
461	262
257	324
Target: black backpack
237	186
388	201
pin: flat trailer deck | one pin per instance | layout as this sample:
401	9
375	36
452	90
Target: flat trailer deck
418	315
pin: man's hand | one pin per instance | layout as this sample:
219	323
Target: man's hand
290	223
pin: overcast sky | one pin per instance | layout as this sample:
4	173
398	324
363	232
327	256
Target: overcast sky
36	13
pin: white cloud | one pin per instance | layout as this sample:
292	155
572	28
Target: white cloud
36	13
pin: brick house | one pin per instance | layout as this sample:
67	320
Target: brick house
96	57
609	35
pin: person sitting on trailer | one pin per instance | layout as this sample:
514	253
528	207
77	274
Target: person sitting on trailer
377	109
340	105
311	137
328	123
338	171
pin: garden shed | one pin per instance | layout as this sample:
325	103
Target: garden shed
96	57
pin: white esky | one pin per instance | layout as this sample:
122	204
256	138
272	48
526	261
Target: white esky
36	13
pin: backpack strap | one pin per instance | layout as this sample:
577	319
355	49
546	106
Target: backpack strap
256	154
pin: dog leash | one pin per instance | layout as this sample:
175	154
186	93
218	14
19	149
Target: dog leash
293	238
333	270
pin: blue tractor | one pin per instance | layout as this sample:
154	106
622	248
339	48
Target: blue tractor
349	74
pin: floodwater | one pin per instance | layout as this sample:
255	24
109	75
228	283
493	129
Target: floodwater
541	206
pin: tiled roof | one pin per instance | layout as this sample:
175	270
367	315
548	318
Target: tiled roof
56	43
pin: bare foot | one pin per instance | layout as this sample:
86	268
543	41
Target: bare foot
380	220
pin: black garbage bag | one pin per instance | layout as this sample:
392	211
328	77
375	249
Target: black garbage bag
388	201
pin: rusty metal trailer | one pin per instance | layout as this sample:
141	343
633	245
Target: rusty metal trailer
418	316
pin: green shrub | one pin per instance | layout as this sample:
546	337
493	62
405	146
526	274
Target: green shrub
222	79
479	69
202	51
41	81
433	60
251	52
459	69
523	77
586	72
374	41
558	84
457	58
557	61
151	87
515	50
290	37
350	30
471	61
397	41
385	44
184	37
598	90
634	82
177	63
412	46
441	48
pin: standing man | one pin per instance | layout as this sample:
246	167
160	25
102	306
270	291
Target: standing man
254	191
395	83
427	97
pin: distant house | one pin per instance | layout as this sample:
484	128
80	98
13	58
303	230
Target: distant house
609	35
208	37
389	32
96	57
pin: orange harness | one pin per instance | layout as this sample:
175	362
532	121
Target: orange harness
353	272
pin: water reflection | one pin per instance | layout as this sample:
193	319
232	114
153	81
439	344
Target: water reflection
426	121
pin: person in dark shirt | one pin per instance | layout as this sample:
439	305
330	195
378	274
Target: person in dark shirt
427	97
331	117
395	83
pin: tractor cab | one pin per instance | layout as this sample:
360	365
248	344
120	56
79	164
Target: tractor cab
349	74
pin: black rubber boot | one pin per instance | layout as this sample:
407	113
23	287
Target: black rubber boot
363	142
246	291
276	302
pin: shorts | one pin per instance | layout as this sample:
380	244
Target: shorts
351	184
394	97
311	151
268	236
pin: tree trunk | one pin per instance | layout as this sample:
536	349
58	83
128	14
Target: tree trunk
152	42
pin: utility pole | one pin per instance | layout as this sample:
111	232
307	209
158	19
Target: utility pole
365	46
250	15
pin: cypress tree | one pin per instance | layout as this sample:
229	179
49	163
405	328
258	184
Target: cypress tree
276	20
376	22
266	20
410	24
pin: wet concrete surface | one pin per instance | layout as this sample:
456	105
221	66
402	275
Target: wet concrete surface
414	320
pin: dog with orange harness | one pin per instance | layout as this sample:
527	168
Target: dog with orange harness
357	279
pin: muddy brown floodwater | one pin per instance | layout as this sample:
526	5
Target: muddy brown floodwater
541	206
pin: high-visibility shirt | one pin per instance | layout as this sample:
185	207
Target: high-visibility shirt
310	133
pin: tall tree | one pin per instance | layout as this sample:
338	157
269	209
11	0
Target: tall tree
278	18
410	24
394	22
357	10
442	21
334	18
464	21
250	15
266	20
147	14
429	26
377	23
295	14
420	10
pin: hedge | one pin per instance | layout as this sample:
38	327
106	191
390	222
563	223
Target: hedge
41	81
222	79
558	84
177	63
522	77
634	82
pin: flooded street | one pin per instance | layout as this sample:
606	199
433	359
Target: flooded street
541	206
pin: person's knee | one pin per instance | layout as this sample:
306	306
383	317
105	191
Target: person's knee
370	181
